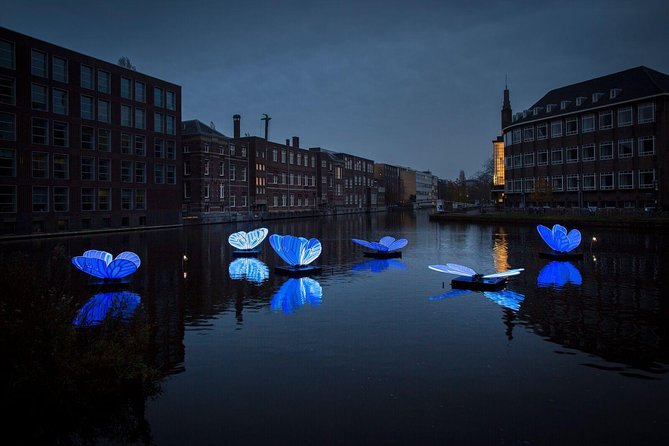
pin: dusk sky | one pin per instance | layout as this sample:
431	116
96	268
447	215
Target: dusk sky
415	84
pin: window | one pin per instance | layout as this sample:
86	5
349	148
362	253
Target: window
7	90
556	129
542	131
588	152
517	187
126	171
140	172
588	123
170	125
221	169
7	163
517	162
159	173
104	169
87	168
103	111
140	92
158	122
126	88
140	199
87	137
605	120
159	148
59	69
647	179
187	189
61	166
529	185
509	186
171	149
221	190
646	113
61	137
508	163
87	199
528	134
274	155
7	127
646	145
126	144
104	199
170	100
86	77
625	148
205	148
507	142
232	173
126	199
40	165
140	145
572	182
38	65
39	97
589	181
7	54
7	198
104	82
625	180
606	181
244	152
556	156
529	159
171	174
126	116
61	199
571	153
40	199
205	167
571	126
158	97
556	183
87	111
516	136
40	131
606	150
59	101
140	122
624	116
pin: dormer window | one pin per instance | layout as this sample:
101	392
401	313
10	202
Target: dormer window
536	110
564	104
614	93
596	96
580	100
550	107
524	113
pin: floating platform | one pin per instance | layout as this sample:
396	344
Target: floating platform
246	252
383	254
561	255
298	271
479	284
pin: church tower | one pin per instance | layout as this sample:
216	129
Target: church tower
506	108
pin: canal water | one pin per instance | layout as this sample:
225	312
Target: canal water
383	352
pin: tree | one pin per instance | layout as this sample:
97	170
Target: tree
543	191
124	61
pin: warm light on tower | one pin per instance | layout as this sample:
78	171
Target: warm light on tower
498	167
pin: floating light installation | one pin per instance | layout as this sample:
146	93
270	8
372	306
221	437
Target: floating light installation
295	293
384	248
560	241
253	270
118	304
102	265
297	252
247	242
558	274
470	279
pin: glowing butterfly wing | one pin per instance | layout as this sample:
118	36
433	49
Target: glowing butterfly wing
120	268
277	243
239	240
387	241
116	304
453	268
510	272
310	251
92	266
130	256
256	237
452	293
506	298
573	239
102	255
364	243
559	229
547	236
398	244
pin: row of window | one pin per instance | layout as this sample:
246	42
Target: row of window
292	179
206	190
221	170
623	148
570	126
645	179
293	158
290	201
57	199
221	149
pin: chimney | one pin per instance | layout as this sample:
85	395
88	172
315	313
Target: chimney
296	141
287	142
235	123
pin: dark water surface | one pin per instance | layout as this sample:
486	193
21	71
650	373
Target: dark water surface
377	361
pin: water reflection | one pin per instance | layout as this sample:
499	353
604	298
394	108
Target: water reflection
295	293
558	274
250	269
504	298
115	304
379	265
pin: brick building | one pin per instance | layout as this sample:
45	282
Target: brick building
329	179
84	144
598	143
388	177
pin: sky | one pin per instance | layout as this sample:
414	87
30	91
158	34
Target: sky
416	84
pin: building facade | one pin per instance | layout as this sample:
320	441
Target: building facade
388	177
425	196
360	191
600	143
84	144
329	179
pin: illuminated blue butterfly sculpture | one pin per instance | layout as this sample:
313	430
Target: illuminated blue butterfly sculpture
558	274
454	268
386	244
295	293
102	265
558	239
298	252
246	241
379	265
251	269
505	298
118	305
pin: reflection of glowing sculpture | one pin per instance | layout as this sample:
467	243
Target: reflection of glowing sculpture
379	265
386	247
558	239
295	293
297	252
253	270
100	264
247	241
119	304
470	279
504	298
558	274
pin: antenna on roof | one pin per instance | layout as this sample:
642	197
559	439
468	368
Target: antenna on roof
506	81
212	125
266	118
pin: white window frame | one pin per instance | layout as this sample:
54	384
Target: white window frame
553	153
594	152
640	108
626	173
622	112
603	175
647	185
641	141
571	187
601	144
594	181
621	144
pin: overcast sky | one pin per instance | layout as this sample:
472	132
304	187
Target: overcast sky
411	83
